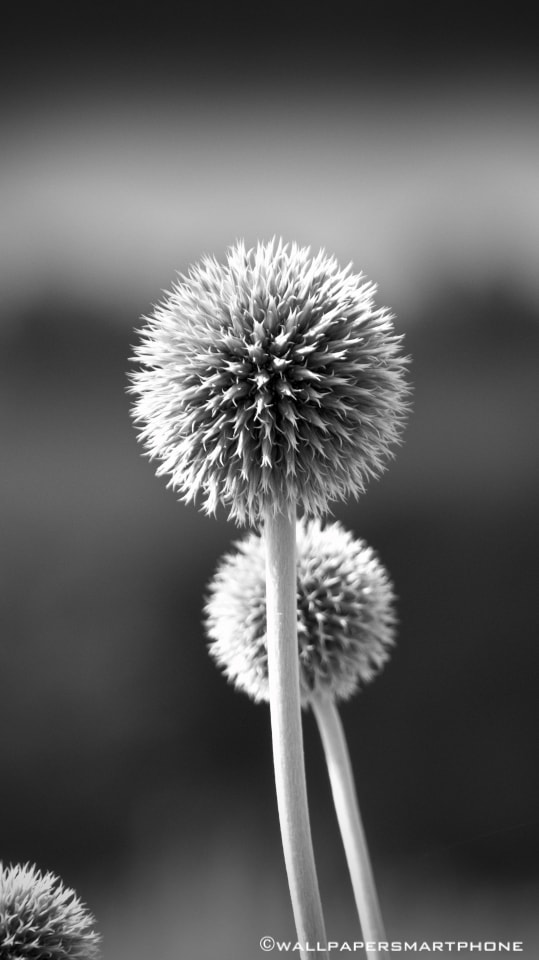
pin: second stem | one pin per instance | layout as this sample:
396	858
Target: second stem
347	808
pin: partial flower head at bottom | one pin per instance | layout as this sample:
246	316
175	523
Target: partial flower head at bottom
41	919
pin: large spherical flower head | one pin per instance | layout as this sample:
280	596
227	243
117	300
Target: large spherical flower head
40	919
270	379
346	617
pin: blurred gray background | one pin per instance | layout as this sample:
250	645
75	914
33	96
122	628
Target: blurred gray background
134	141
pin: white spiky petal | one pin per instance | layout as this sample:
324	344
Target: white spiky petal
270	379
346	617
41	919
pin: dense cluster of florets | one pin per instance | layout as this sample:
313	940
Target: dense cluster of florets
40	919
269	380
346	617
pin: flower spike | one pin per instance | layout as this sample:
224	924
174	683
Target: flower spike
270	380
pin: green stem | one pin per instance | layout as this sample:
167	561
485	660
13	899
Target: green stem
287	735
347	809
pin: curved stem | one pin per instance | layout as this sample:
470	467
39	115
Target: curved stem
287	736
347	809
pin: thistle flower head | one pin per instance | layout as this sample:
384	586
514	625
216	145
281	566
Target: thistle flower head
346	618
269	380
41	919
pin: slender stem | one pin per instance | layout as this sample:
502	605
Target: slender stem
283	671
347	809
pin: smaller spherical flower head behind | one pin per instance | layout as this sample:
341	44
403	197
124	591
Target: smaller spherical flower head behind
346	617
41	919
269	380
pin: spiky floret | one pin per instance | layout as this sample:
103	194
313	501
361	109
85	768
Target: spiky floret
268	380
346	617
41	919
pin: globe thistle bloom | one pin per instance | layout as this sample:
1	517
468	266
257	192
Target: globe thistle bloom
346	618
41	919
269	380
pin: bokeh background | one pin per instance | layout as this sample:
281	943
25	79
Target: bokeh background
135	140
